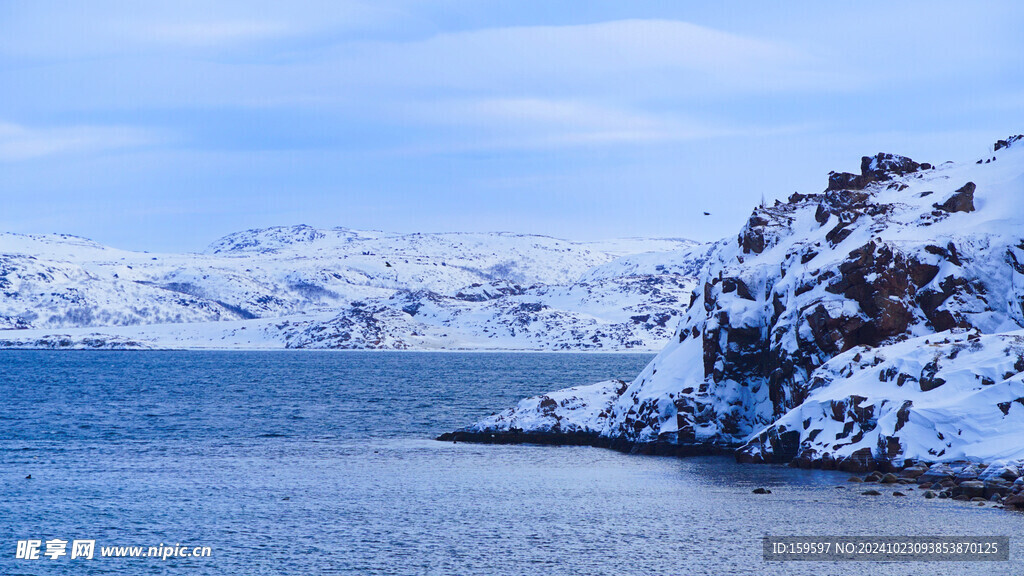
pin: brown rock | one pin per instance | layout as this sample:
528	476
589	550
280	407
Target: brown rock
1000	144
996	486
860	461
913	471
1017	501
878	168
961	201
921	273
972	488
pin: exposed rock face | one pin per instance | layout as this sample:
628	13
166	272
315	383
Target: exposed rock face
811	338
877	168
961	201
1000	144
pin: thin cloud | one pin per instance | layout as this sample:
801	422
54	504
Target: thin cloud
19	143
631	61
125	28
624	56
213	33
547	123
541	123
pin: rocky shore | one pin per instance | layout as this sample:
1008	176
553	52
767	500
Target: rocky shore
1000	484
520	436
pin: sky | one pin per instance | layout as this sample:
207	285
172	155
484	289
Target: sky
163	126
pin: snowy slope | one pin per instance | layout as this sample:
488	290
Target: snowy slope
948	397
812	334
339	288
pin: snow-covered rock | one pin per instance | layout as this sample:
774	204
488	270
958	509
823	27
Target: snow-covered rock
876	322
577	410
939	397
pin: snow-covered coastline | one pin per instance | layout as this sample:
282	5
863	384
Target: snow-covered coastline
874	326
305	288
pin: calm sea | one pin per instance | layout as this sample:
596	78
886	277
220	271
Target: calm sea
323	463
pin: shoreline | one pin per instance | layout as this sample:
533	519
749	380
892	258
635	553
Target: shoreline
650	352
588	439
958	480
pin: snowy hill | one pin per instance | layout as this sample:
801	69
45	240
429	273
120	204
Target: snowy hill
873	324
338	288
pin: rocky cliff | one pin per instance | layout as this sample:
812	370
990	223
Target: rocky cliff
869	325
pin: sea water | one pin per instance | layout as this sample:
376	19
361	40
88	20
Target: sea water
325	463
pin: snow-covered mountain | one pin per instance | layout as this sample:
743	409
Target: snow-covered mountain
876	323
301	287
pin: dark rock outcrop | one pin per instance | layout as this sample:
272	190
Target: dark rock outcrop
1000	144
961	201
877	168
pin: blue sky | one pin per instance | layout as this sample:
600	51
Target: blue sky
162	126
